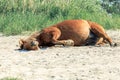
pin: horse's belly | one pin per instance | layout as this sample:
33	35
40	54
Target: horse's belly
79	36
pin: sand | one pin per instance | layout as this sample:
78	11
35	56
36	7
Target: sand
60	63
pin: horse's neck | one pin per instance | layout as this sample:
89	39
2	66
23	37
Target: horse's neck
35	35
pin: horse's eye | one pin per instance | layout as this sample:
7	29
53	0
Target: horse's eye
33	43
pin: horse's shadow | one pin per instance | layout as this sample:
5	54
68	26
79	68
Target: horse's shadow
23	50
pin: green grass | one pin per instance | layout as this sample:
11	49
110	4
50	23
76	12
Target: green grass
9	78
17	16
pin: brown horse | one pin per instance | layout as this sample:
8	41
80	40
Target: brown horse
68	32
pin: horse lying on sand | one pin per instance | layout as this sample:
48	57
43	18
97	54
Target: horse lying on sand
68	32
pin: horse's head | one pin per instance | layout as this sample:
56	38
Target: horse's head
29	44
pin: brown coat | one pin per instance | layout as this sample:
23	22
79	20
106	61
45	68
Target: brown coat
73	32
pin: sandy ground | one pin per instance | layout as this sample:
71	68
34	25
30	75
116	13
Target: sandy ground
60	63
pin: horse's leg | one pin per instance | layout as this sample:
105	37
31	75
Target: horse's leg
101	34
68	42
100	41
55	37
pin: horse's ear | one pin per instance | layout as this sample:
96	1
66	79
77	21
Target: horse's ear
21	41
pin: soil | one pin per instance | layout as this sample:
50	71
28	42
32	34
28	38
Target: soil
60	63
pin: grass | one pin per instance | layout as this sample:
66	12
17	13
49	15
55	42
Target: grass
17	16
9	78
